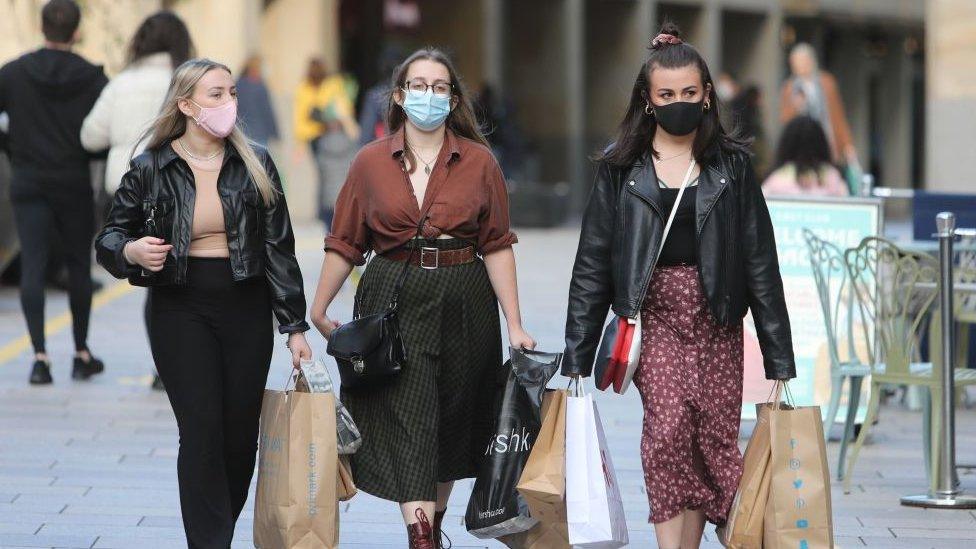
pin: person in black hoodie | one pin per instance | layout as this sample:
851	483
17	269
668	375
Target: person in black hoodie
47	94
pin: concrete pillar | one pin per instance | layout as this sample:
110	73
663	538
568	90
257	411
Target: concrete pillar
708	35
768	71
493	38
574	48
950	61
896	130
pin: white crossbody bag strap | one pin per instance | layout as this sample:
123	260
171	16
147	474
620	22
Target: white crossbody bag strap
635	345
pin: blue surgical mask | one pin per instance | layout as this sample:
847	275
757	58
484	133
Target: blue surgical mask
426	109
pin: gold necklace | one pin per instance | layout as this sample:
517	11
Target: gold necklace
424	162
195	157
659	160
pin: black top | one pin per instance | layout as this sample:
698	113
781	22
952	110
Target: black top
681	247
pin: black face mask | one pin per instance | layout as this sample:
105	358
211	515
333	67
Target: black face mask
679	118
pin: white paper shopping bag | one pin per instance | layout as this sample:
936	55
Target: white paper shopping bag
594	508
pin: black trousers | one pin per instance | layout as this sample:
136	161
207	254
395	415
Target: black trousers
212	341
40	218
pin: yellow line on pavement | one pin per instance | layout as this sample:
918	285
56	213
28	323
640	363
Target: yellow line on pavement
103	297
14	348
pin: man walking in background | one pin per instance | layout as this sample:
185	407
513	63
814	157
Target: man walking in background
47	94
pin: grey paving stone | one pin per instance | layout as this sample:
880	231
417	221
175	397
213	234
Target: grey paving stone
30	527
108	542
917	543
28	540
930	533
99	530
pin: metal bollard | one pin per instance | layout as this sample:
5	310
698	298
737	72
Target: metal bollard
947	495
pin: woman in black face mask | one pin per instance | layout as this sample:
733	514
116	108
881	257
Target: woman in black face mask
673	175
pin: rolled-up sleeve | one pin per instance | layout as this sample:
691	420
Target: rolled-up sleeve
494	232
350	234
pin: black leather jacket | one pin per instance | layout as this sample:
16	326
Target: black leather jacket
260	239
737	261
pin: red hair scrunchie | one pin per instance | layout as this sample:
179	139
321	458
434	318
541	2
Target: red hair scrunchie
665	39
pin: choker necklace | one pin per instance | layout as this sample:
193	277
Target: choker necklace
195	157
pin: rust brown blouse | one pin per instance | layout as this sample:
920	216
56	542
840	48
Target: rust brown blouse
377	208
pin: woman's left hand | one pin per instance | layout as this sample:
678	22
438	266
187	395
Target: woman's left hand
520	339
299	348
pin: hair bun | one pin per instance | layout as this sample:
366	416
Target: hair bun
669	34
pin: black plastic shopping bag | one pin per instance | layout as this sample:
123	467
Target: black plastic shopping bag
496	508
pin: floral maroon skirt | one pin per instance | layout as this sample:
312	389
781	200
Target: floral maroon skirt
690	380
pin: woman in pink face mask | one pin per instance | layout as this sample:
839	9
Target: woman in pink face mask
201	219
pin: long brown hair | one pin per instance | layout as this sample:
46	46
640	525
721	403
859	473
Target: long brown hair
171	123
461	120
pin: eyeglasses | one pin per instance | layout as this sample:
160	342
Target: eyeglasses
440	88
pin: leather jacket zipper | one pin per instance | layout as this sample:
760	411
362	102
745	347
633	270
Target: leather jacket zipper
701	277
650	273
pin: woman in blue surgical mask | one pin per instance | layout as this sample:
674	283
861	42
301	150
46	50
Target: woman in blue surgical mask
429	195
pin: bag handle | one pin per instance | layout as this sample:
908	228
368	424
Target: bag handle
154	193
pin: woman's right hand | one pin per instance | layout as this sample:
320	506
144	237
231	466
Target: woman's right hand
148	252
324	325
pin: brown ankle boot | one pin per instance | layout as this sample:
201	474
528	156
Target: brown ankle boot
420	534
438	534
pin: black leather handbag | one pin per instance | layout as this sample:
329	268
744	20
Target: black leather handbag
369	349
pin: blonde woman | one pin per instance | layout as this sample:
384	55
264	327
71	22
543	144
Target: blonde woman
200	218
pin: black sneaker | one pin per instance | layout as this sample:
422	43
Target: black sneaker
157	384
84	370
41	373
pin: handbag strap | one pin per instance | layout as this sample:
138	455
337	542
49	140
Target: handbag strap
402	277
674	210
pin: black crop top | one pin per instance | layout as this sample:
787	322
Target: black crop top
681	247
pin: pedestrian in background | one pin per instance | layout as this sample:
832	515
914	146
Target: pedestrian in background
376	103
718	261
131	101
325	118
47	94
430	194
256	112
813	92
217	264
803	163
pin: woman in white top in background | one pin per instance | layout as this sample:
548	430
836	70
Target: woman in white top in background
132	100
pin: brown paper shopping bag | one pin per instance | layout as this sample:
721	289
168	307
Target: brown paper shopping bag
296	505
798	512
345	487
543	480
744	529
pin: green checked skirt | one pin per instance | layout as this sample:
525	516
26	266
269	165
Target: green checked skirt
433	422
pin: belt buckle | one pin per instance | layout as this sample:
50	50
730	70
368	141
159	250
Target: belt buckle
437	258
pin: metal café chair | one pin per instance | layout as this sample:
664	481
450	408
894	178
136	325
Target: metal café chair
895	292
836	297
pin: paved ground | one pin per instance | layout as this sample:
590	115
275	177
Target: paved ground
93	464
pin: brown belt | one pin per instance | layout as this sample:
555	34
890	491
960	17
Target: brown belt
432	258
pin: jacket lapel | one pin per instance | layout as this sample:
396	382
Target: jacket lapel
642	182
712	181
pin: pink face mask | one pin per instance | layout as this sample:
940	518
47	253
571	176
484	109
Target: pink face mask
217	121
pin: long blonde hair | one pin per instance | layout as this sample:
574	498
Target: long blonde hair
171	123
